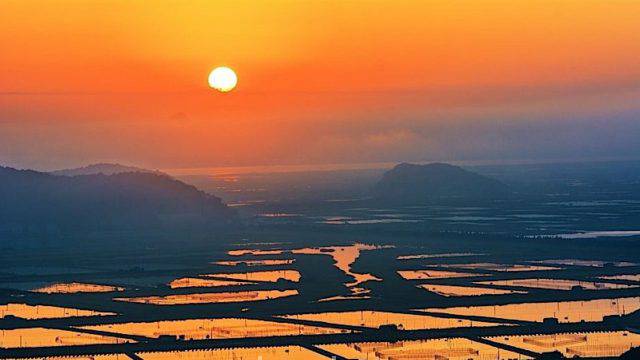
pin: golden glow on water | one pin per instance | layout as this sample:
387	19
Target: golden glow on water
268	276
214	328
433	274
606	344
272	262
198	282
455	348
564	311
34	337
635	277
375	319
254	252
233	279
205	298
344	257
451	290
45	312
91	357
500	267
266	353
556	284
74	287
357	293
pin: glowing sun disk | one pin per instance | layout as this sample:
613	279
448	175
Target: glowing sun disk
223	79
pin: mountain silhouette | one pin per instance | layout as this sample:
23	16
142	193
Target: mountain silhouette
37	202
411	183
102	168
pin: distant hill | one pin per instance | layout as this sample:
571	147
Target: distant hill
410	183
102	168
36	202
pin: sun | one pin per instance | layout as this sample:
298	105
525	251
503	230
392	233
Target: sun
223	79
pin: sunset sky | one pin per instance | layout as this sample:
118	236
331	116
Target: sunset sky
319	81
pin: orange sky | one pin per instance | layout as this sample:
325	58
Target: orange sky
321	81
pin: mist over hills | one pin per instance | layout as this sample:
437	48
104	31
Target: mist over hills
411	183
111	197
102	168
41	203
